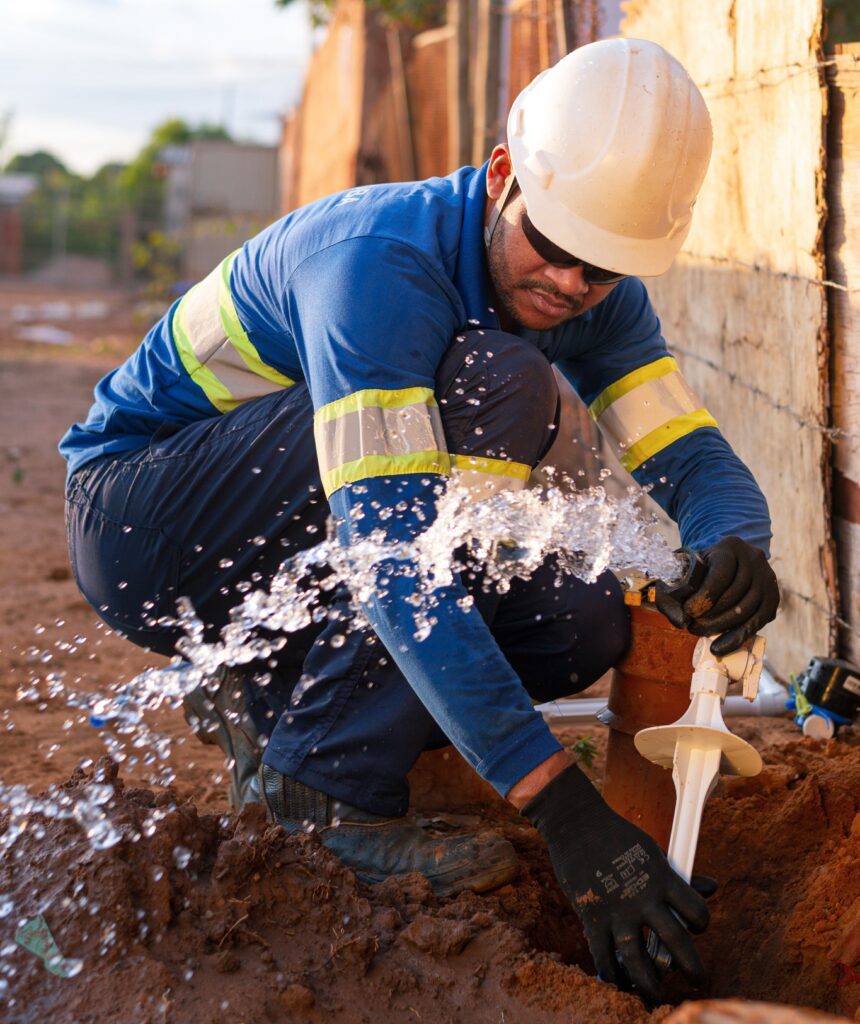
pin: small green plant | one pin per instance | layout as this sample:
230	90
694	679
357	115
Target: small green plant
584	750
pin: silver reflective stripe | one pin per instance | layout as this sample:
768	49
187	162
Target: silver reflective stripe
214	348
378	431
645	408
198	312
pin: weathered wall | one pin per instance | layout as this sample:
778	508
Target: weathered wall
843	268
378	104
427	78
331	108
385	150
290	156
744	307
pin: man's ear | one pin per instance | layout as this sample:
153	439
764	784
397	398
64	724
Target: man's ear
498	171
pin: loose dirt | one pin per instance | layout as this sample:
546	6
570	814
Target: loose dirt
199	916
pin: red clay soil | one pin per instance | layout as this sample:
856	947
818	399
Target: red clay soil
259	926
255	926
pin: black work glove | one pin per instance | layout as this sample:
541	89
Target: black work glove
619	883
730	589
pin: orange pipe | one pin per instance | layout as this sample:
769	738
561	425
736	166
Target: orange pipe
651	686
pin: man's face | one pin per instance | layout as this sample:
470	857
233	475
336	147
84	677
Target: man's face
532	292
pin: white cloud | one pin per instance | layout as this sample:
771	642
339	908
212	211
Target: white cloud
89	79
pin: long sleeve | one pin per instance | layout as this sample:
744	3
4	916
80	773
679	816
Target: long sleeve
657	427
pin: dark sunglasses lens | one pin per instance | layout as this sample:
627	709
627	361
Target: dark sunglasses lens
546	249
550	252
594	275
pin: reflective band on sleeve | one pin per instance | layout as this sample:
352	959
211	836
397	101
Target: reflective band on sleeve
663	436
374	433
651	371
214	348
646	410
483	477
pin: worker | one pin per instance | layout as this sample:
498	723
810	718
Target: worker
351	362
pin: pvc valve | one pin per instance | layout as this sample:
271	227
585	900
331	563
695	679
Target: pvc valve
699	746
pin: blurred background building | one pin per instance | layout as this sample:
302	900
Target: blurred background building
217	195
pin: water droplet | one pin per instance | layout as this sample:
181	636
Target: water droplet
72	967
181	856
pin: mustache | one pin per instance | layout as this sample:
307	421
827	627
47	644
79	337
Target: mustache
532	284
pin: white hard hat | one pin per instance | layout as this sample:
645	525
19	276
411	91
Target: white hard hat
610	147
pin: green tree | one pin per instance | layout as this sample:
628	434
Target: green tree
142	185
68	212
41	163
75	214
142	181
414	14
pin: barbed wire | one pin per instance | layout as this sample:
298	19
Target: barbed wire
834	434
731	260
828	612
760	79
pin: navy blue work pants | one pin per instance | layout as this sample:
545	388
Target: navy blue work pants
209	510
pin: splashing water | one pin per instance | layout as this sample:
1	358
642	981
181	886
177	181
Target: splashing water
508	535
587	532
87	808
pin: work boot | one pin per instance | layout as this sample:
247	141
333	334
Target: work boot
376	847
216	712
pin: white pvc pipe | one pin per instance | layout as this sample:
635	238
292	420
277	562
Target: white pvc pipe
770	701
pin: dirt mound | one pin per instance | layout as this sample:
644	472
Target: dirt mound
199	917
195	917
785	847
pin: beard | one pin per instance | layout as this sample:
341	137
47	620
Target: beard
509	290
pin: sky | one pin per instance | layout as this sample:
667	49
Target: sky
89	79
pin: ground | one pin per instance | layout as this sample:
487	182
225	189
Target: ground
195	915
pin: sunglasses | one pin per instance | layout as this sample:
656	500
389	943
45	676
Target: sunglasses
552	254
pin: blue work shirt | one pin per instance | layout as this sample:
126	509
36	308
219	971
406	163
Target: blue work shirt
360	294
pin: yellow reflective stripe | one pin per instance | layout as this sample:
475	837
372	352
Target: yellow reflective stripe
211	386
494	467
374	398
236	332
665	435
482	477
385	465
634	379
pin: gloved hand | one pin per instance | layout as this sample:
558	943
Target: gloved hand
731	590
619	882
